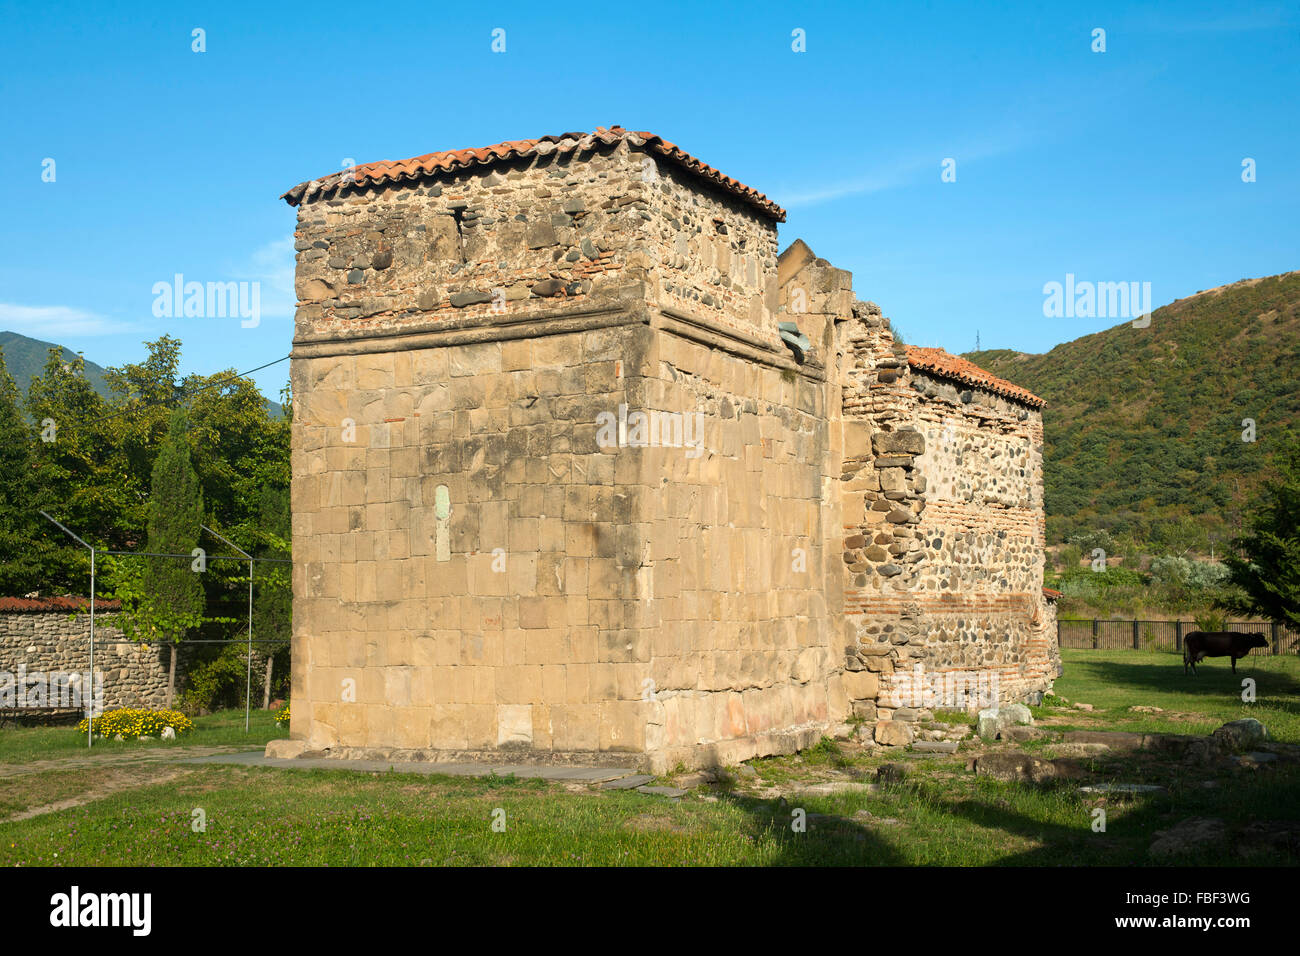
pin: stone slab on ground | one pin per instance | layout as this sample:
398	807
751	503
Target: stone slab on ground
689	781
1135	788
627	783
672	792
1022	734
539	771
1187	837
1014	766
1241	734
1115	739
934	746
838	786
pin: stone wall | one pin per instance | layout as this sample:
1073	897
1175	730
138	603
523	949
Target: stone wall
983	533
50	641
944	535
476	244
489	558
738	540
565	598
710	257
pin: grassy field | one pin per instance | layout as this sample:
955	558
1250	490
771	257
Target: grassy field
224	728
1113	681
939	813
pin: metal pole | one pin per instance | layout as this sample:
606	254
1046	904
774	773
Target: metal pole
248	683
248	680
90	707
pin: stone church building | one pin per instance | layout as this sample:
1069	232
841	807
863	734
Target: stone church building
585	471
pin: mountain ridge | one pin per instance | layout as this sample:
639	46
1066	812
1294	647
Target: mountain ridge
1164	432
25	358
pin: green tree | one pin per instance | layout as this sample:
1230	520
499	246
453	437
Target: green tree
1266	568
21	546
72	480
143	397
162	598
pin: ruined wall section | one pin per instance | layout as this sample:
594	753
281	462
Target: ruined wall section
883	500
984	535
943	539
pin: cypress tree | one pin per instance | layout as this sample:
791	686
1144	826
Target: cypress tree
171	587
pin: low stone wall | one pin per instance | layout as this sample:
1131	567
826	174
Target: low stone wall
52	637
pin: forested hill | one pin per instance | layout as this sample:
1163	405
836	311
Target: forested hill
1144	426
26	357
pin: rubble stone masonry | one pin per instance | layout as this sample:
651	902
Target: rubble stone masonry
44	638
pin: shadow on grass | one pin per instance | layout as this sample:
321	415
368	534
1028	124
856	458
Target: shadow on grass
1130	833
1207	682
827	840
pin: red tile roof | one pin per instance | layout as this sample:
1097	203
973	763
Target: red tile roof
939	362
18	605
1051	594
419	167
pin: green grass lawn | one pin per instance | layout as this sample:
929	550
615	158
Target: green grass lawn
226	727
940	814
1112	681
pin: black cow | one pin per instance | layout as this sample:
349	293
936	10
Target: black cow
1199	645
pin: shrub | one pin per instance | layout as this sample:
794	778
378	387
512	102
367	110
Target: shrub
133	723
218	681
1173	571
282	717
1209	621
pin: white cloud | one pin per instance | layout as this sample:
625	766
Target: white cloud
52	321
273	266
905	171
869	184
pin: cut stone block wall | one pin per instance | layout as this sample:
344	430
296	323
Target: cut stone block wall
576	598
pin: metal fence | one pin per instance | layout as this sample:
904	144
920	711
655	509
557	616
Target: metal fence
1165	635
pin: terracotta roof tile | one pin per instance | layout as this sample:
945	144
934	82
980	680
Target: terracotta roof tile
939	362
1051	594
19	605
420	167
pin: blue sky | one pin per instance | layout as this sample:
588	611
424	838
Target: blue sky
1115	166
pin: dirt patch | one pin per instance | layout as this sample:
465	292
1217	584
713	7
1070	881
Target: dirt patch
152	755
114	781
